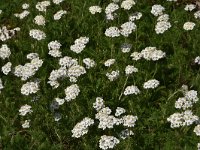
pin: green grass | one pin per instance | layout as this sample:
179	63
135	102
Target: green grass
152	131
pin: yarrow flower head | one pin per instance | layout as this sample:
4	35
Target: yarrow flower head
189	26
37	34
127	4
30	88
151	84
95	9
157	10
107	142
81	128
71	92
112	32
131	90
25	109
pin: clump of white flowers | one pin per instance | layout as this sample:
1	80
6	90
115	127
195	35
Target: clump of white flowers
6	34
185	118
57	1
22	15
79	44
197	60
131	90
197	130
39	20
29	69
164	17
109	62
59	14
95	9
25	6
4	51
189	26
108	142
99	104
26	124
30	88
190	7
112	32
71	92
127	28
157	10
127	4
37	34
113	75
76	71
130	69
129	120
197	14
110	9
135	16
6	68
42	6
25	109
81	128
54	47
136	56
119	111
151	84
162	26
151	53
90	63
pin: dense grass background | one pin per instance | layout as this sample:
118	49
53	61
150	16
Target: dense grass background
152	107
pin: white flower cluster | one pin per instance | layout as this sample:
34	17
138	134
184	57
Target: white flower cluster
136	56
79	44
127	28
112	32
197	14
4	51
135	16
190	7
26	124
113	75
109	62
157	10
76	71
42	6
25	6
6	34
1	85
119	111
151	84
37	34
130	70
197	130
57	1
39	20
25	109
29	69
197	60
108	142
126	133
59	14
81	128
54	47
6	68
127	4
60	101
126	47
106	120
131	90
30	88
185	118
71	92
162	26
22	15
110	9
95	9
189	26
151	53
90	63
